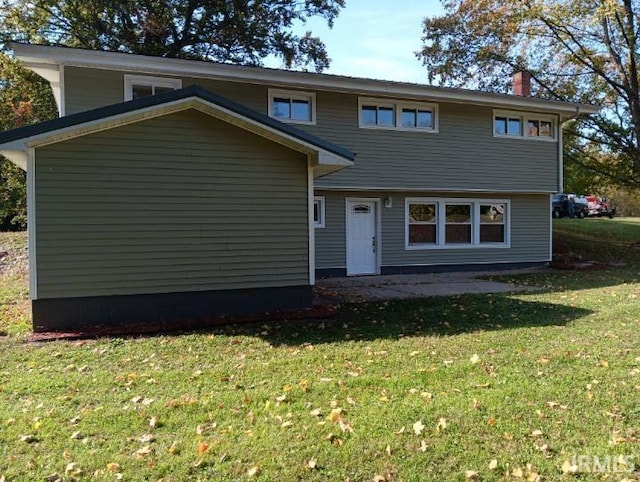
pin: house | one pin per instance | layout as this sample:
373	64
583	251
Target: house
173	189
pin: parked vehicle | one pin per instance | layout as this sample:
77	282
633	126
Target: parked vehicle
560	205
600	206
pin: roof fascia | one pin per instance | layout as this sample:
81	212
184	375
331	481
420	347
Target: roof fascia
39	55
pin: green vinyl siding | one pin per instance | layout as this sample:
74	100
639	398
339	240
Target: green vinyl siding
462	155
530	236
182	202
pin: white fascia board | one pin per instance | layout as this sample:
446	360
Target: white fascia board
37	54
18	157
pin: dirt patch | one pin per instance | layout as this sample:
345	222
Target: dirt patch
14	254
572	261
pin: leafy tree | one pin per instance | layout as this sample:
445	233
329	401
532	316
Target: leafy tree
580	50
25	98
237	31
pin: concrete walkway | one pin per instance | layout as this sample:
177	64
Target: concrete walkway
375	288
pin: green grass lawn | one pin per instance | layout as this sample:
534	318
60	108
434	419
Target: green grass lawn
509	387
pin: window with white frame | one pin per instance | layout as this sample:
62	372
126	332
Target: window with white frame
400	115
523	125
456	223
318	211
292	106
137	86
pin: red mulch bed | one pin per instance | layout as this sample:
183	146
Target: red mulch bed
135	329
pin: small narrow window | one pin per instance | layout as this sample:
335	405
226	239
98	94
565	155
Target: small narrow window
523	125
417	118
423	228
136	86
293	106
458	223
492	218
318	211
401	115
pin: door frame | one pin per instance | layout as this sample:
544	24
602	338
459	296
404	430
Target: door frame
378	231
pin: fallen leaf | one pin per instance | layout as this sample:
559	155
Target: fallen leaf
113	467
146	438
153	422
517	473
203	448
474	359
536	433
418	427
173	448
442	424
143	452
379	478
471	475
493	464
281	398
569	468
255	470
311	464
335	415
316	412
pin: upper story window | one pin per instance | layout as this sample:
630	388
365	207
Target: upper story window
292	106
433	223
137	86
523	125
400	115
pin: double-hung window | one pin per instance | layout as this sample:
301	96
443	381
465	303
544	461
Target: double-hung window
137	86
456	223
292	106
523	125
398	115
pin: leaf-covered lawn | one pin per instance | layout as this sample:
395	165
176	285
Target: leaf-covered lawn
499	387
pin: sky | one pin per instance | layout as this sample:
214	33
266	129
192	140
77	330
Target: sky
375	39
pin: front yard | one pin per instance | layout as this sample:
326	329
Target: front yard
533	386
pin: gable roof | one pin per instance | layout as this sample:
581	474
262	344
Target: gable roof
325	152
46	61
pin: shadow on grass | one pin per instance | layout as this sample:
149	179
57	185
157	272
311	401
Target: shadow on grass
416	317
556	280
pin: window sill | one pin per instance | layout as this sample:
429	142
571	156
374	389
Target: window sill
456	246
526	138
399	129
293	121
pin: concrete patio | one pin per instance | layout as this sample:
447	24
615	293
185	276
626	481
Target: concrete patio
376	288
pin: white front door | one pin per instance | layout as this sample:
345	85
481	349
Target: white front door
362	242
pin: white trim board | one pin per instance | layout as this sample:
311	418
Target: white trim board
31	223
450	190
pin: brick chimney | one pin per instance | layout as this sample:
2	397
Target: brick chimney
522	84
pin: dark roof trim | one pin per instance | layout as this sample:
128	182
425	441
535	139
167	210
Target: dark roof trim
173	96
